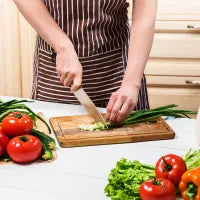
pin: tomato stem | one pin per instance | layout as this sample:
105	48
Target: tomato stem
18	115
167	167
156	182
23	138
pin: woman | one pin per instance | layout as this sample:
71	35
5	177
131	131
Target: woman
86	42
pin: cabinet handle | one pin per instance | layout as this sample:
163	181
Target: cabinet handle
192	82
195	27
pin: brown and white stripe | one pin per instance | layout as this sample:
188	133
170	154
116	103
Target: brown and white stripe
100	33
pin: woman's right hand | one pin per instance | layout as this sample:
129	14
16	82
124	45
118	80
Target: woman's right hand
69	68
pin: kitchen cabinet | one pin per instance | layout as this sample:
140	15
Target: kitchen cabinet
10	81
173	69
17	41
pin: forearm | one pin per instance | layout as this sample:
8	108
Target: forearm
142	32
39	17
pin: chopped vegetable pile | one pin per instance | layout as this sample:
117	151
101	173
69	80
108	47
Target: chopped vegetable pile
141	116
99	126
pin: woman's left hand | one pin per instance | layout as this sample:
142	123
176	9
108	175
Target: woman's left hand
122	103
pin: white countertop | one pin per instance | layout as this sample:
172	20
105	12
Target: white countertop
81	173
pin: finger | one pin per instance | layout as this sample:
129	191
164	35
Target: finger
76	84
64	76
68	81
110	105
115	110
59	71
59	75
131	108
124	111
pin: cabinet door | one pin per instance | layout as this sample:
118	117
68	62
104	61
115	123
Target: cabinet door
185	10
185	98
27	47
178	10
172	45
173	81
173	67
17	40
10	81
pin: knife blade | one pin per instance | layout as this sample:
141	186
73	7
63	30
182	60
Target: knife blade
85	100
197	127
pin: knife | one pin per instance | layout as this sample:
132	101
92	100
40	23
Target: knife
198	127
85	100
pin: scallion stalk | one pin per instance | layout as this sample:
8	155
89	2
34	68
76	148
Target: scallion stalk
149	115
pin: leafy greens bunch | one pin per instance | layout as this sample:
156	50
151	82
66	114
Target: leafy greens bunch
125	179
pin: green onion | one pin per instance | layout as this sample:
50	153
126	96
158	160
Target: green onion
152	114
140	116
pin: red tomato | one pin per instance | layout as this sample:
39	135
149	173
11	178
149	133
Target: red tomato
3	142
158	189
170	167
23	149
16	124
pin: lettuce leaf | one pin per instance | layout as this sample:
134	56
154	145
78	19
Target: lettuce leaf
125	179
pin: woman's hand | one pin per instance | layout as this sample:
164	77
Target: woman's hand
69	68
124	100
122	103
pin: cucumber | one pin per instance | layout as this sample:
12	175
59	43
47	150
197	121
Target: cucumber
47	140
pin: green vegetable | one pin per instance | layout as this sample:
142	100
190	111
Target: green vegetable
125	179
142	116
47	140
152	114
46	152
5	158
92	127
48	144
18	106
192	159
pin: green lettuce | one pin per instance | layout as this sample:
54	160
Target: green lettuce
125	179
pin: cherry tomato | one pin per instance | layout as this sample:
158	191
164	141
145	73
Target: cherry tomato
24	149
16	124
170	167
158	189
3	142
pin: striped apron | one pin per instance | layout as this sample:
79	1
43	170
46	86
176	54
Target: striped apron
100	32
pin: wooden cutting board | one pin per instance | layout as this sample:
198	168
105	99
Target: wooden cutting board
69	135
